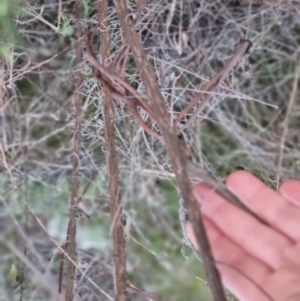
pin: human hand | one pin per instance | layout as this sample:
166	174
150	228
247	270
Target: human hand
256	262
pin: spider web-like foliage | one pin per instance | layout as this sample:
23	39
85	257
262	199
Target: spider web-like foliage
193	40
186	42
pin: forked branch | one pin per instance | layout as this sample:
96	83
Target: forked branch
177	149
242	48
173	145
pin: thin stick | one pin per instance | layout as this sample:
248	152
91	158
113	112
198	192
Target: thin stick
132	105
116	84
242	48
71	235
173	144
115	203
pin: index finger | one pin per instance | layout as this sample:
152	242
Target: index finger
267	203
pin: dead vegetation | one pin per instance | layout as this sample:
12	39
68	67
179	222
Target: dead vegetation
104	105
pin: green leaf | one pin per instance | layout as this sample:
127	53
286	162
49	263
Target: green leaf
13	274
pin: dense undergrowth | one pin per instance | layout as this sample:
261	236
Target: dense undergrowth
252	121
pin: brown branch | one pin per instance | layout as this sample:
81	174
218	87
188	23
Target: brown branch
119	56
242	48
192	168
123	51
135	113
118	88
122	62
118	239
115	83
174	148
71	235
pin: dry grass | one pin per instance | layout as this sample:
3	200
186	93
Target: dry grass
251	120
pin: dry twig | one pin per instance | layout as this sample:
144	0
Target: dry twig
119	89
178	151
118	239
204	95
174	147
71	235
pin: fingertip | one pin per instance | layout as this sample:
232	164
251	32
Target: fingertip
290	190
237	177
